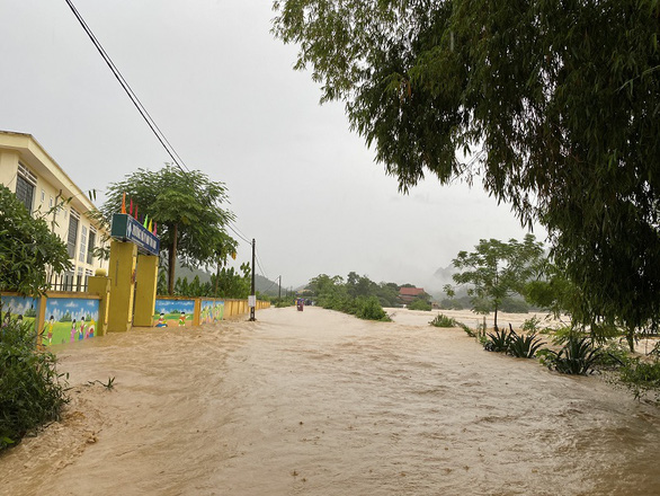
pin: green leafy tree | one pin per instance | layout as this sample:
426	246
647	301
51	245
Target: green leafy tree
357	285
162	282
496	269
388	294
357	296
31	391
187	207
195	287
230	283
181	287
225	247
29	251
554	104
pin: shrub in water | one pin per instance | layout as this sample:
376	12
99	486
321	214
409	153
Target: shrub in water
420	304
31	391
370	309
577	357
441	320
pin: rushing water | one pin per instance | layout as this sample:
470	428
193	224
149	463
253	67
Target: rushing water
320	403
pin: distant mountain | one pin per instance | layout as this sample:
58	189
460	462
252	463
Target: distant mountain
261	284
444	275
266	286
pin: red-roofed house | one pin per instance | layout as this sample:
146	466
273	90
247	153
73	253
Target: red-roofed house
407	295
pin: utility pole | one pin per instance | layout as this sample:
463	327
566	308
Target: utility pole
253	296
279	288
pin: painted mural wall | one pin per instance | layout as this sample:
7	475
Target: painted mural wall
69	320
21	307
172	313
211	311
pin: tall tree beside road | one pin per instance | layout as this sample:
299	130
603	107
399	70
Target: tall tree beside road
497	269
188	208
29	250
555	104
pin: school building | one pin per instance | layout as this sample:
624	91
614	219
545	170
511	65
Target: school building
48	192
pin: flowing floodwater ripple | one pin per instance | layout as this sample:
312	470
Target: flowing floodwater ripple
320	403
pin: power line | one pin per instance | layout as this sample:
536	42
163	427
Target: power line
234	230
260	265
145	113
240	233
129	91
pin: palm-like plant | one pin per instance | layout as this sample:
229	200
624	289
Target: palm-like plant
498	340
577	357
524	346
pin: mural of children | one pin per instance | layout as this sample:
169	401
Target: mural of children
74	331
81	333
182	319
49	329
90	329
161	320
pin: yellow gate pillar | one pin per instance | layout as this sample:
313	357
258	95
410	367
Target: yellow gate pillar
145	292
100	284
122	274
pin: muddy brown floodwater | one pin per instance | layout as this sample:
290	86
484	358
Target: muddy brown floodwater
320	403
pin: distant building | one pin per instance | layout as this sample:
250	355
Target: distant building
407	295
43	186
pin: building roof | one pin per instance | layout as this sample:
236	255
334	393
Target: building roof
33	154
411	291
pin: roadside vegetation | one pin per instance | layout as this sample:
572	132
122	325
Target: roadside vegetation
357	295
567	350
587	343
31	391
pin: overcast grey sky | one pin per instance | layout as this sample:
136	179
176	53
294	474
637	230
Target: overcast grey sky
223	91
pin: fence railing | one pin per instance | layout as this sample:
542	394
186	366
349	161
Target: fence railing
68	282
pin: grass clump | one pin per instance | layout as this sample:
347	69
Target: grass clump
441	320
31	391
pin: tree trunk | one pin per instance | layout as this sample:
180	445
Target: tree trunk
172	262
495	317
630	338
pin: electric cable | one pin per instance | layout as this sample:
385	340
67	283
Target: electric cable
129	91
235	231
260	265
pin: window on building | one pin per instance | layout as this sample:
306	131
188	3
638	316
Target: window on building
26	183
90	246
72	237
82	254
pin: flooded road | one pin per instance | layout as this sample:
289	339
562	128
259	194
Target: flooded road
320	403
